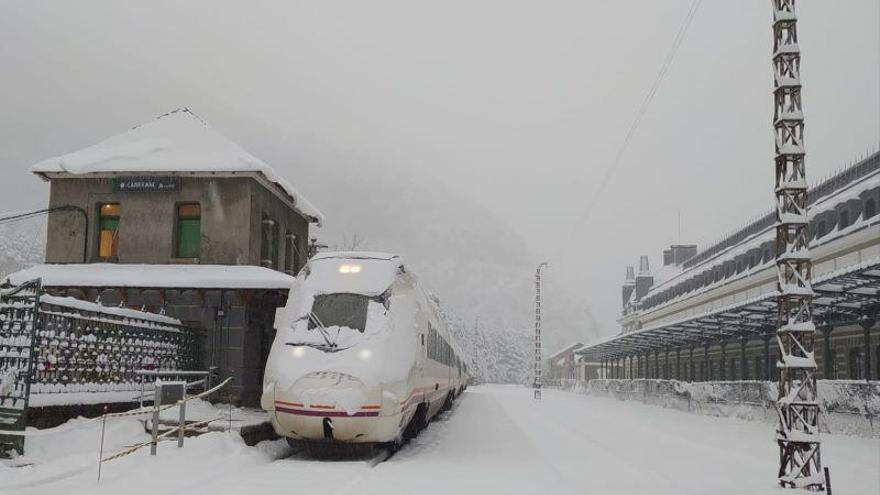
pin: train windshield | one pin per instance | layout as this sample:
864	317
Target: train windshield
340	310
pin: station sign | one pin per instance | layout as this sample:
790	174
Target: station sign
145	184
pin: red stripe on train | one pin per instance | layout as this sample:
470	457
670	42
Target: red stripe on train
303	412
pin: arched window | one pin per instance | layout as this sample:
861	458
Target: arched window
870	208
820	229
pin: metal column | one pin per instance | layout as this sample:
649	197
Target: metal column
798	432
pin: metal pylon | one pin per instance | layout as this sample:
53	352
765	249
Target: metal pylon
537	384
798	431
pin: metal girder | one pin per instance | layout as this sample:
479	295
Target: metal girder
798	431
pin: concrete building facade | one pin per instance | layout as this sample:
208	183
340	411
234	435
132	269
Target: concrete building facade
710	314
173	218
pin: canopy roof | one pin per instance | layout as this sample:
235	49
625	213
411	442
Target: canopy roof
841	296
155	276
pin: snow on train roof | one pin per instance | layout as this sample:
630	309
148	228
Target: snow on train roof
178	141
355	255
364	273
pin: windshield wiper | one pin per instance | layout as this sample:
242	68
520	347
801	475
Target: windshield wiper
320	347
322	328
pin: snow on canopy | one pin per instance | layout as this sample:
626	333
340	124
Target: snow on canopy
178	141
155	276
71	302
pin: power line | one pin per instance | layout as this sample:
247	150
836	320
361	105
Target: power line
22	216
46	211
630	133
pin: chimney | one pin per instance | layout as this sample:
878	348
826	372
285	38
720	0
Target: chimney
678	254
644	280
629	285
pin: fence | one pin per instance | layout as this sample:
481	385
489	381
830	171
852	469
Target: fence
848	407
85	347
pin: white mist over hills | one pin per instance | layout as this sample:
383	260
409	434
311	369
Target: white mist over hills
22	244
481	270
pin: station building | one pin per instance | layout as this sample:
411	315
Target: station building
710	314
562	364
171	217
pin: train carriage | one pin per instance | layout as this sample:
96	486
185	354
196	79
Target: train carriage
361	353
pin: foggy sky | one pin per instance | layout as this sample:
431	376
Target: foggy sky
520	105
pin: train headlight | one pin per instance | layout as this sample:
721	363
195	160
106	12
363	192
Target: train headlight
298	351
349	268
365	354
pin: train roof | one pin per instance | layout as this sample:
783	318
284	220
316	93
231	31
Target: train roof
356	255
352	272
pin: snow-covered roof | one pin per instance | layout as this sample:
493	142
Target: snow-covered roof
828	202
155	276
564	350
176	142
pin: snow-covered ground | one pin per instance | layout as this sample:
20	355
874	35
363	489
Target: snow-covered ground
496	440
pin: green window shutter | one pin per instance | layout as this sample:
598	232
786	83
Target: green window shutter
189	237
109	223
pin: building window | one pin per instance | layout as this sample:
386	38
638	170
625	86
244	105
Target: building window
291	258
108	225
877	362
269	243
832	364
856	364
820	229
844	220
870	208
189	230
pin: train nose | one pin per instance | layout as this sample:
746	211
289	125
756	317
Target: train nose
327	405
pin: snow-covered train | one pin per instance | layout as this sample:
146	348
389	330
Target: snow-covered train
361	354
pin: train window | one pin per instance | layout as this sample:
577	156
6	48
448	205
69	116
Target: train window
342	310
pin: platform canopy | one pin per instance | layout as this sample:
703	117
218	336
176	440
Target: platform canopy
107	275
842	296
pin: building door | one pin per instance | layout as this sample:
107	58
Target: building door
108	241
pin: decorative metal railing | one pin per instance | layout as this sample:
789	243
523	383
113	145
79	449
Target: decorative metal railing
65	345
84	347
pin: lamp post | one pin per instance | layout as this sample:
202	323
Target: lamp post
537	384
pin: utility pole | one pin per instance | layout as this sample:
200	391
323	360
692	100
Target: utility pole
798	431
537	384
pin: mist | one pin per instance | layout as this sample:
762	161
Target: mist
460	133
